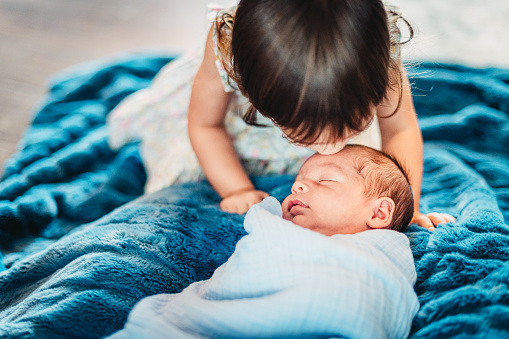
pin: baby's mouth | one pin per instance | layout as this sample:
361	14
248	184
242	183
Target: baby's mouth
294	206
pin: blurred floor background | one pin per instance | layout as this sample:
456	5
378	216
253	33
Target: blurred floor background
41	37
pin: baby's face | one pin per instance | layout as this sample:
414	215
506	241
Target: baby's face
327	196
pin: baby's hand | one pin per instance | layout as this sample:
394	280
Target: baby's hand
240	202
431	220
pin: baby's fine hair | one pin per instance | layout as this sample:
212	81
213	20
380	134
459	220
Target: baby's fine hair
329	57
384	176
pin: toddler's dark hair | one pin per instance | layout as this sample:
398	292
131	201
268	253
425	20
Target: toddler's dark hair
384	176
329	57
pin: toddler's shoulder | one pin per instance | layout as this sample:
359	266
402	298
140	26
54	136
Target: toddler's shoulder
216	15
215	12
391	6
393	16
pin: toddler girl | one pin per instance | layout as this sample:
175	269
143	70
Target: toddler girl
304	75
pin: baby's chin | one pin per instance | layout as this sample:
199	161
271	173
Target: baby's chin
298	220
304	222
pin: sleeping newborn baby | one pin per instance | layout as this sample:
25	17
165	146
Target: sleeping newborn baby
355	190
328	262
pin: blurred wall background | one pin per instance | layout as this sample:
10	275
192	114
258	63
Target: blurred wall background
470	32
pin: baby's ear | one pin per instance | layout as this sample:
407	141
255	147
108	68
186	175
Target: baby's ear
383	210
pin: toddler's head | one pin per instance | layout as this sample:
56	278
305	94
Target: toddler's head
354	190
329	57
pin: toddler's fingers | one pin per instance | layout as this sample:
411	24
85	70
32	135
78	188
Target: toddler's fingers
245	207
227	206
241	202
449	217
440	218
241	206
238	207
423	221
436	218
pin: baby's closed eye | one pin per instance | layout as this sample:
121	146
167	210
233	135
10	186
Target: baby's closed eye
330	179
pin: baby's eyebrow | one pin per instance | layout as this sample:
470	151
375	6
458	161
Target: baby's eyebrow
327	168
333	165
322	167
345	170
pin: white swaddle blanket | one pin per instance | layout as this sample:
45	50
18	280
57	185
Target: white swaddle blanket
287	281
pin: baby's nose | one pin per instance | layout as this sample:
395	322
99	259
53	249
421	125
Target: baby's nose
299	186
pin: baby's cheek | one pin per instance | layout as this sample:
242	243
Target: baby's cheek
287	215
284	206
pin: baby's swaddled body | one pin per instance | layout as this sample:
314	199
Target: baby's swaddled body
287	281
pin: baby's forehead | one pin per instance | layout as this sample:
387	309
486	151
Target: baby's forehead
327	163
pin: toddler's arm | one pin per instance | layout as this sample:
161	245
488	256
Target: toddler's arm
401	137
210	141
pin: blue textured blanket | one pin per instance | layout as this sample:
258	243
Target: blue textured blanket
79	252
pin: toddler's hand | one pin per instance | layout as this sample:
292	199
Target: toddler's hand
431	220
240	202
